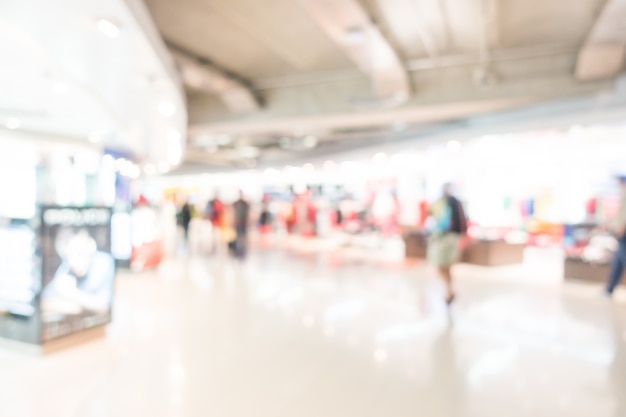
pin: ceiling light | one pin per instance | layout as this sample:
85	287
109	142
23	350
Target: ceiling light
167	108
60	88
12	123
163	168
454	146
109	28
310	142
271	172
329	165
308	167
380	158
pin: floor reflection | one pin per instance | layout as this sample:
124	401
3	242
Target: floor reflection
282	335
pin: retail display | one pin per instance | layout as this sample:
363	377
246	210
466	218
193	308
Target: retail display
588	252
60	275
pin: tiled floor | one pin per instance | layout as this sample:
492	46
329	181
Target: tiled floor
289	334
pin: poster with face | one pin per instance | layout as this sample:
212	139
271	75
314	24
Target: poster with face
78	270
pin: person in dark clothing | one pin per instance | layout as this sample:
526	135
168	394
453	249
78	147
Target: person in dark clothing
185	219
241	209
265	219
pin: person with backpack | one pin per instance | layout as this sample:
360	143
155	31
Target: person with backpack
443	246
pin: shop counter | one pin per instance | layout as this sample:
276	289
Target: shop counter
493	253
581	270
415	244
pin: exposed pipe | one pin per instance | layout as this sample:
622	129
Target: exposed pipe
421	64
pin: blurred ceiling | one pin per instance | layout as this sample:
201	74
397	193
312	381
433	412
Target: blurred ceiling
89	73
269	81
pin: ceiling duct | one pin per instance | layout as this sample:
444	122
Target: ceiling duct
235	94
349	25
603	53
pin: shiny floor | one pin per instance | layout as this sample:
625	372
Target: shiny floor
338	334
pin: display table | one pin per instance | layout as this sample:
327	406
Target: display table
493	253
415	244
580	270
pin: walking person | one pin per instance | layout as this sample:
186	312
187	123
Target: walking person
214	212
619	230
241	214
443	245
185	219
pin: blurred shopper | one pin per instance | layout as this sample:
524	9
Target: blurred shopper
619	229
214	212
443	245
184	219
265	219
241	217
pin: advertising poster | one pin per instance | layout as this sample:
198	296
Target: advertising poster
78	270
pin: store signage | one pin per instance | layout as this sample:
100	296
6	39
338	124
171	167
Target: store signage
76	217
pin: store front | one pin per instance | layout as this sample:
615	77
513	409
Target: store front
550	189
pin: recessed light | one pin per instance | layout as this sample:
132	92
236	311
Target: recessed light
108	28
12	123
329	165
380	158
167	108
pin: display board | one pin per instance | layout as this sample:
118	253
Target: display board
78	270
56	273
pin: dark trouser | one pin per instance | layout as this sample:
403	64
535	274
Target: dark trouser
617	269
241	244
